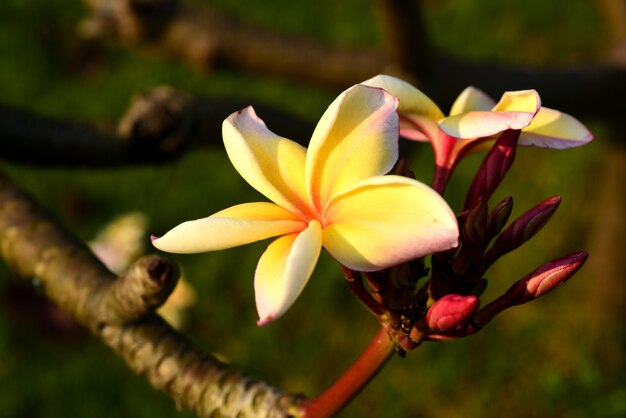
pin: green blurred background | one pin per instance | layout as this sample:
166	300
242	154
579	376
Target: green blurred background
561	356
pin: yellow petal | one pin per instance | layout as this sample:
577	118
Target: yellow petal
229	228
356	138
527	101
412	100
471	99
384	221
271	164
553	129
515	110
283	271
418	114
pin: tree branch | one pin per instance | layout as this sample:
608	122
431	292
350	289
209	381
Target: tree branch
207	39
157	126
613	13
406	40
120	311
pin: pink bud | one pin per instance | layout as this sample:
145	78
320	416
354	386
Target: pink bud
451	311
548	277
534	285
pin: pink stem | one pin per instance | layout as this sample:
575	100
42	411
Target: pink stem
333	399
365	297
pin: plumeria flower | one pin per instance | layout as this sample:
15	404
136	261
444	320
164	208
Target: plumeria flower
333	195
475	120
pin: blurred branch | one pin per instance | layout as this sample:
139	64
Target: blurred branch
156	127
120	311
406	40
30	138
208	39
613	13
605	298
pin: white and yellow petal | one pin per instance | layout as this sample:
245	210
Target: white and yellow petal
271	164
237	225
411	100
418	113
356	138
284	269
384	221
553	129
515	110
471	99
526	101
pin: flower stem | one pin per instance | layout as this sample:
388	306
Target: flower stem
440	181
333	399
355	282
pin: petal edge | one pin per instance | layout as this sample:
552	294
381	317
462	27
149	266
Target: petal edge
283	271
384	221
231	227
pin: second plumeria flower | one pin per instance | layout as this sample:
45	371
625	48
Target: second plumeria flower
475	120
334	195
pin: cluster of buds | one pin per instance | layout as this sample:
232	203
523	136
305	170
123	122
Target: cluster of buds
417	304
447	305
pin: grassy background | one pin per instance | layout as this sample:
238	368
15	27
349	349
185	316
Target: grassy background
562	356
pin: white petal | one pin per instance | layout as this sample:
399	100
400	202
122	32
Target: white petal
237	225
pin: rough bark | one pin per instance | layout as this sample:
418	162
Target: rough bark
120	311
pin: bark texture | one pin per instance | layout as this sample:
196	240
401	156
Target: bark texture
120	311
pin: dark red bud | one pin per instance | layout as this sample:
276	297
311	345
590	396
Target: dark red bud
533	285
548	277
475	223
522	229
493	168
499	216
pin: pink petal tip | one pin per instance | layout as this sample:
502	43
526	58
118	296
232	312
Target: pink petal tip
264	321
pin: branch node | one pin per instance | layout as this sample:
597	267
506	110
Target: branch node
142	289
156	122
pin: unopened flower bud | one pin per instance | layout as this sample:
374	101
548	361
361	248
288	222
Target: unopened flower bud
499	216
451	312
548	277
522	229
475	223
493	168
534	285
